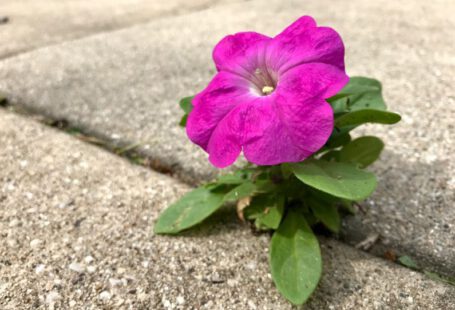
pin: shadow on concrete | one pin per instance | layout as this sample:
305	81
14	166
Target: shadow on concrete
412	210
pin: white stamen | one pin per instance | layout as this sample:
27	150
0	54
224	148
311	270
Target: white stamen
267	90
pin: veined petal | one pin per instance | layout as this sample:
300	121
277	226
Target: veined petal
234	52
297	27
224	93
303	42
225	143
313	80
309	121
267	140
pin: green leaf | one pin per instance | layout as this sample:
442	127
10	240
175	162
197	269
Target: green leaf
228	181
286	170
256	206
267	211
438	277
340	203
337	140
186	106
190	210
183	120
341	180
272	217
347	206
326	212
237	177
310	218
331	156
243	190
356	118
295	259
407	262
360	93
364	151
265	186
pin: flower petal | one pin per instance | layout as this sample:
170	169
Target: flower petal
224	93
225	143
286	128
303	42
314	80
234	52
297	27
267	140
309	121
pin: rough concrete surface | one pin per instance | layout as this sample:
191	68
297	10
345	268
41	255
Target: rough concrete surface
76	232
125	85
28	24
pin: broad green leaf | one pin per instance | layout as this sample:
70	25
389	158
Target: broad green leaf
347	206
326	212
243	190
265	186
236	178
183	120
228	181
363	151
338	133
271	215
337	140
186	106
359	85
342	204
266	210
407	262
257	206
341	180
438	277
332	155
295	258
360	93
310	218
286	170
190	210
359	117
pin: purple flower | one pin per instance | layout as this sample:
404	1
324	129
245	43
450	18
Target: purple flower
268	97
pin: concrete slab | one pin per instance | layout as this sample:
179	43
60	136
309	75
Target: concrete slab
76	225
28	24
124	86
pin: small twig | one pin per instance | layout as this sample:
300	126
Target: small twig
360	207
128	148
368	242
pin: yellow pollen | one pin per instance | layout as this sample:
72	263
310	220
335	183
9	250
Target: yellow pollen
267	90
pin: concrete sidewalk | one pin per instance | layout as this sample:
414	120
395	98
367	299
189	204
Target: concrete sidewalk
76	226
29	24
124	86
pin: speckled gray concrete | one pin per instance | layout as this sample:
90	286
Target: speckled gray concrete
76	224
125	85
36	23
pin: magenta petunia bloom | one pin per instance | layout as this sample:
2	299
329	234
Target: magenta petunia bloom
268	97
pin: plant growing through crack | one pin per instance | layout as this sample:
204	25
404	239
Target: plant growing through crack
288	105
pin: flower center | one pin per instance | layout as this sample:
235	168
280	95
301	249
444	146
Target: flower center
267	90
264	81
